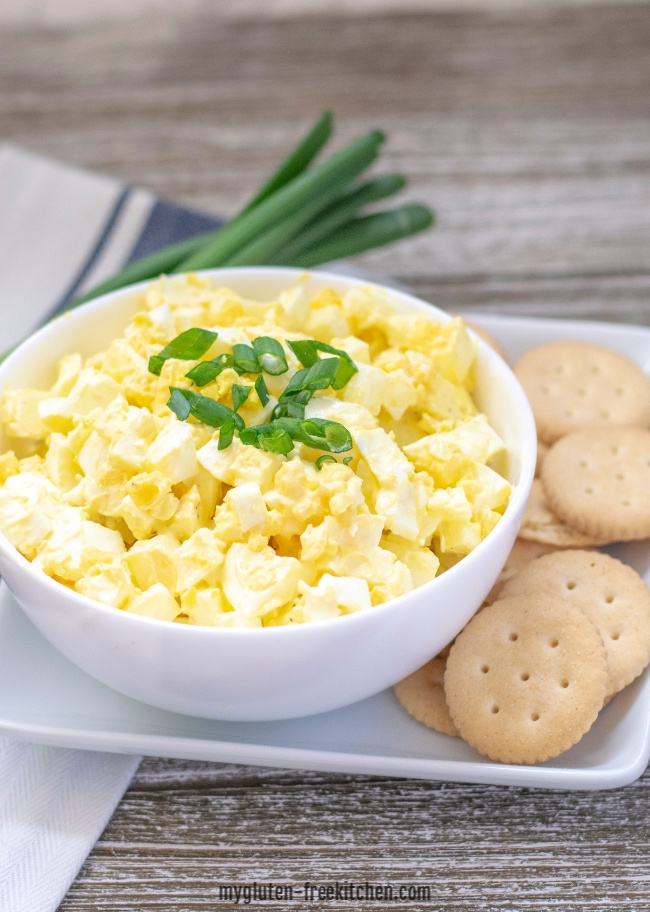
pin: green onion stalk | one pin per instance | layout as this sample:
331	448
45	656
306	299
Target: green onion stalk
303	216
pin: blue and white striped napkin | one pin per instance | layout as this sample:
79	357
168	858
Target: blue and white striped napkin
63	230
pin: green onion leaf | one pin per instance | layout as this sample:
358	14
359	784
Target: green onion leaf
207	410
306	351
322	459
319	376
270	355
278	441
318	433
343	166
188	346
261	390
339	213
297	161
226	434
239	395
364	233
293	406
207	371
245	359
268	437
327	435
348	460
178	403
213	413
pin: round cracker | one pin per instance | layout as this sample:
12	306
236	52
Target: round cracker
540	524
598	481
526	678
423	696
521	554
611	594
573	385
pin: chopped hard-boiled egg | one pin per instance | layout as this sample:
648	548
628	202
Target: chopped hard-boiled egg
239	464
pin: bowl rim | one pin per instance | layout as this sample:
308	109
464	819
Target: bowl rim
520	490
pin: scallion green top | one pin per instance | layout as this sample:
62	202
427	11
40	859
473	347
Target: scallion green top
288	424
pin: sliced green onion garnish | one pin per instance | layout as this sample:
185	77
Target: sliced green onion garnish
267	437
245	359
318	433
207	371
293	406
261	390
348	460
188	346
323	459
239	395
207	410
226	434
327	435
213	413
178	403
306	351
319	376
270	355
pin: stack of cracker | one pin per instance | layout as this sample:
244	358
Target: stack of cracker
564	628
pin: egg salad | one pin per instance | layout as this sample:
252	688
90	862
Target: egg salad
238	463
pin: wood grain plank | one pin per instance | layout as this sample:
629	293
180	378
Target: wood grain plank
186	828
527	132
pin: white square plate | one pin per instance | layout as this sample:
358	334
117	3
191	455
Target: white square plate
45	698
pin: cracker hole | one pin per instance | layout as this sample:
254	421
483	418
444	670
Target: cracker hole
595	369
626	503
545	390
589	490
609	599
558	368
568	413
571	584
581	392
484	669
535	717
620	476
619	391
514	637
604	415
583	463
525	676
614	450
554	643
564	683
615	635
495	710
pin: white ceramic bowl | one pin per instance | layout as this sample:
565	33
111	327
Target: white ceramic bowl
276	672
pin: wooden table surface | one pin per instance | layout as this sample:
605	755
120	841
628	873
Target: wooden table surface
528	131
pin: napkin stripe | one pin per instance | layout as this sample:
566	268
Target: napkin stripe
169	223
164	223
120	239
62	231
94	254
